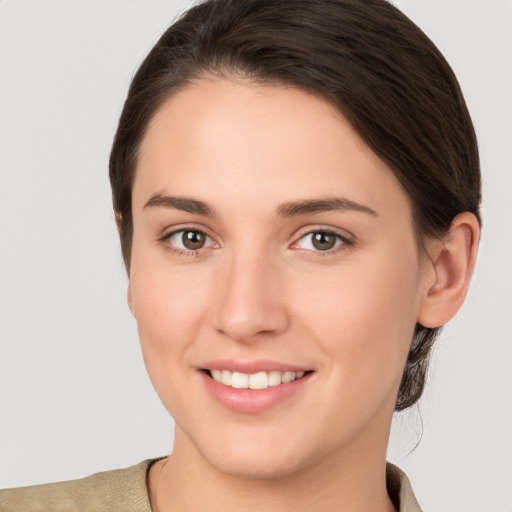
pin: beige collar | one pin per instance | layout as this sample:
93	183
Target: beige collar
400	490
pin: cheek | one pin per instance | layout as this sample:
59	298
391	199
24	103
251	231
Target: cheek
169	304
363	318
168	307
166	298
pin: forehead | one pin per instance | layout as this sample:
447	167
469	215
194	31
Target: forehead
253	142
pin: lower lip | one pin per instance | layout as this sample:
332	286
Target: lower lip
252	401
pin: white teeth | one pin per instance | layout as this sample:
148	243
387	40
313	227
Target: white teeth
260	380
288	377
225	377
240	380
274	378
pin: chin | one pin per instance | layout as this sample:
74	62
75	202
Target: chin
257	456
258	466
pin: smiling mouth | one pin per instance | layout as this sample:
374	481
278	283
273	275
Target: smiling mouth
259	380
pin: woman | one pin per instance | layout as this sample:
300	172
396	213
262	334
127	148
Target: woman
296	187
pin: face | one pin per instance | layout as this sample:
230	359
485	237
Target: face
274	277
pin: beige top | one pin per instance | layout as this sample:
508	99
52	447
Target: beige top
124	490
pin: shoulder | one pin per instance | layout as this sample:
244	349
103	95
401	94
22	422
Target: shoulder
400	490
118	490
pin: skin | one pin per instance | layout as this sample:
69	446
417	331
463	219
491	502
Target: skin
258	289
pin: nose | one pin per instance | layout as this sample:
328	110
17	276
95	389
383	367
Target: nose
251	301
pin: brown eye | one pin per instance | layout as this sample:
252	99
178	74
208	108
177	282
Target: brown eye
193	239
320	241
323	241
189	240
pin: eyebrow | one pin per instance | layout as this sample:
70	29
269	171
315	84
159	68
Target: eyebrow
309	206
290	209
186	204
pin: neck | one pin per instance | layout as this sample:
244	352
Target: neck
354	480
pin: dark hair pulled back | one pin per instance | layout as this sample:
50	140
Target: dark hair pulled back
364	56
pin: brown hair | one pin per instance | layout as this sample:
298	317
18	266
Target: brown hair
367	58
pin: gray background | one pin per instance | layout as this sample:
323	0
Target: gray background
75	398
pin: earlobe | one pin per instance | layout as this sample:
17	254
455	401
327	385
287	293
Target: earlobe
453	260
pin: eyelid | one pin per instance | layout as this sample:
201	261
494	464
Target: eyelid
191	226
346	238
169	232
322	228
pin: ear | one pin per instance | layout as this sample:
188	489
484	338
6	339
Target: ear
129	298
452	261
119	221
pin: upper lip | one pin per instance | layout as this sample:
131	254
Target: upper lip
255	366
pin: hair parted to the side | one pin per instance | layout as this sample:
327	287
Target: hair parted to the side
364	56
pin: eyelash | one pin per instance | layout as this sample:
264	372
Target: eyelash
345	242
344	245
165	240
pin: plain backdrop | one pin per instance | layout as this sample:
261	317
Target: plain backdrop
75	397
